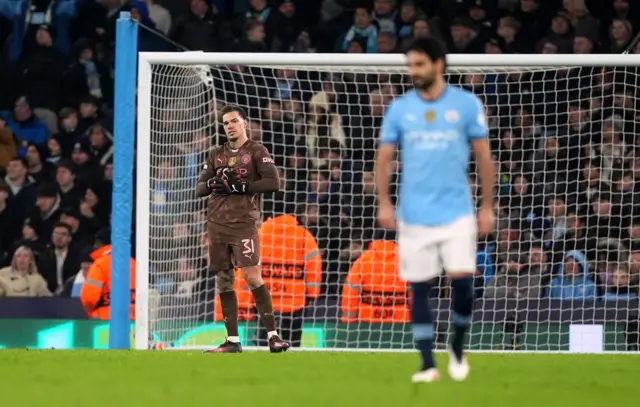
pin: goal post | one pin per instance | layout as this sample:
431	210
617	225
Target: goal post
178	97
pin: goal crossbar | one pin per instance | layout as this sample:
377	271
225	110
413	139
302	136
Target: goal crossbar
387	60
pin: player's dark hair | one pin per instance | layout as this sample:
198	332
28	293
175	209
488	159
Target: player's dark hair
430	46
234	108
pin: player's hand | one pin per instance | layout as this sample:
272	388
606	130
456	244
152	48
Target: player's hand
387	216
229	182
486	221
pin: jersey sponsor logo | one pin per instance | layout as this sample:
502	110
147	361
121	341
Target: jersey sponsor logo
431	140
430	115
452	116
267	160
246	159
381	298
283	271
232	161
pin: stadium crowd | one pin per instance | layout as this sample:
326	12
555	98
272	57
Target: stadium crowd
564	140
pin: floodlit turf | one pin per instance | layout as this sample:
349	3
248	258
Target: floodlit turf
305	379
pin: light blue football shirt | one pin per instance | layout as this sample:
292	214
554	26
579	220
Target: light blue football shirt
433	139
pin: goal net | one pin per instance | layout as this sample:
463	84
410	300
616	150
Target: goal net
560	273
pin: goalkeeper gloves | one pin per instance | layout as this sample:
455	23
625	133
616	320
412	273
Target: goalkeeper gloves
228	182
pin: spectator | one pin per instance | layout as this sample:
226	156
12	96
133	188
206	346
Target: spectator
89	113
87	171
43	67
86	76
254	38
363	32
46	212
329	28
620	286
387	43
148	39
573	281
39	169
57	14
199	29
69	191
25	125
101	141
21	185
60	260
68	130
21	278
160	17
513	281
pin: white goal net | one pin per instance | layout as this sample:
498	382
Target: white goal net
560	272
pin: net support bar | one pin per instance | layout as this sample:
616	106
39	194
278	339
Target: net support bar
394	60
123	143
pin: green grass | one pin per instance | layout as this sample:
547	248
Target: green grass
305	379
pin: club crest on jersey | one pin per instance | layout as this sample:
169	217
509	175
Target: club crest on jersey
232	161
452	116
245	159
430	115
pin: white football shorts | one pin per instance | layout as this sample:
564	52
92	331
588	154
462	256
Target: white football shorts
426	250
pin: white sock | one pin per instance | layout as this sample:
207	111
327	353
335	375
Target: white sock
234	339
272	333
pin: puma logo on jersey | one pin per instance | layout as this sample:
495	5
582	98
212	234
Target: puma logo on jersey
267	160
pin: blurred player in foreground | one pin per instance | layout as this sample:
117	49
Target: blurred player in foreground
233	177
433	126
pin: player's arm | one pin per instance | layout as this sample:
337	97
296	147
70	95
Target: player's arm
388	143
203	187
269	179
477	132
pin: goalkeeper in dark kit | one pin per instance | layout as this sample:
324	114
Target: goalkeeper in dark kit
233	178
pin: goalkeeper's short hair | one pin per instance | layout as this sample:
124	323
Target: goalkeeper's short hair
234	108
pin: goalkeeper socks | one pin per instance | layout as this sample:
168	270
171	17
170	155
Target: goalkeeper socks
462	307
422	323
229	305
265	307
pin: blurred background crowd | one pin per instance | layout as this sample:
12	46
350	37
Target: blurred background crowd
563	139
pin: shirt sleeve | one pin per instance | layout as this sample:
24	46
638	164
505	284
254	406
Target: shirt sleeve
208	171
265	166
476	125
391	131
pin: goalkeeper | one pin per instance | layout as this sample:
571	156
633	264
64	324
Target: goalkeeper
433	125
233	178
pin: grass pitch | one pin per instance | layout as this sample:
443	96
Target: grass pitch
306	379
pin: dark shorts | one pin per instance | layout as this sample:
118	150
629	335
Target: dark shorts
230	248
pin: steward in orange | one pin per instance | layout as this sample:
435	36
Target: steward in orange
373	291
292	269
96	291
